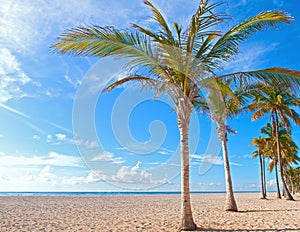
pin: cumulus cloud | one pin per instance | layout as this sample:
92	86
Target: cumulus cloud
46	175
134	175
92	177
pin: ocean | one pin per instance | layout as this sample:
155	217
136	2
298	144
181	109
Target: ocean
107	193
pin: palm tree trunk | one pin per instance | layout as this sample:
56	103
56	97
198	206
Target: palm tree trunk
187	221
285	189
263	194
230	204
277	182
264	176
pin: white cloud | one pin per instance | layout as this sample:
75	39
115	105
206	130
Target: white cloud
38	177
248	186
12	77
47	176
217	160
247	156
108	156
60	136
92	177
85	143
210	159
36	137
73	83
271	183
1	136
53	159
250	57
25	24
73	180
165	151
205	186
133	175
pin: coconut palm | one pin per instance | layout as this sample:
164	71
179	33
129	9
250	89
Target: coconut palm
223	103
279	103
270	152
293	177
261	144
175	60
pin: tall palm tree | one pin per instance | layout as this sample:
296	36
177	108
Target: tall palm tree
175	60
260	143
223	103
279	103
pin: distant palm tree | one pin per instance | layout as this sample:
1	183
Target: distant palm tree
271	152
176	60
279	103
293	177
261	144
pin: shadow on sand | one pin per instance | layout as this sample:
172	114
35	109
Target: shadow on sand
265	210
212	229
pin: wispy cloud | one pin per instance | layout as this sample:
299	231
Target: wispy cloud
15	111
58	126
73	83
209	159
250	57
36	137
53	159
108	156
26	24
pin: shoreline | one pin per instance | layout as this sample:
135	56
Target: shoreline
92	193
146	213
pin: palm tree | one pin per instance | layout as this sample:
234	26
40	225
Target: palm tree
293	177
278	102
223	103
175	60
260	143
270	152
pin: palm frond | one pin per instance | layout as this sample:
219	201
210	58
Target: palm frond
141	79
158	17
228	45
259	114
271	76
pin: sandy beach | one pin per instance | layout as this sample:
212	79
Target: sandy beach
146	213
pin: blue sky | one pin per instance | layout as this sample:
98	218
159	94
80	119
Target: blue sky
55	126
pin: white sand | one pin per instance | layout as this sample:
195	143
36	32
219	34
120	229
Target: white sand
146	213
